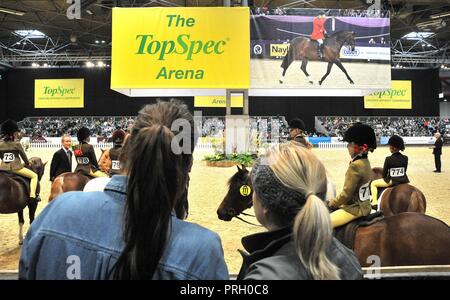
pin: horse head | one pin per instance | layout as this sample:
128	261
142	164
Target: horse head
345	37
37	166
239	196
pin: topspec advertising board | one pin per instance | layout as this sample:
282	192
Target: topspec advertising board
59	93
173	51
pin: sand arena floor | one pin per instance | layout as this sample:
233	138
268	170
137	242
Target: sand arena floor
208	187
265	73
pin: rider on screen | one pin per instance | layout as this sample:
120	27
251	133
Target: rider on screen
318	33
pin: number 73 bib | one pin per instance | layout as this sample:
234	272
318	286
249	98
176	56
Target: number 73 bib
364	192
8	157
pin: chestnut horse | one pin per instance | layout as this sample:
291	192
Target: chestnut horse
67	182
70	181
405	239
400	198
305	49
14	197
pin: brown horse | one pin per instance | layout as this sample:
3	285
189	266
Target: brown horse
401	240
305	49
14	197
400	198
67	182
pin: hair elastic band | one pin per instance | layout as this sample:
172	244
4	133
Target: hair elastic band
309	194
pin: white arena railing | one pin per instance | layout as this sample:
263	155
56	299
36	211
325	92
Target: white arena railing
333	145
57	146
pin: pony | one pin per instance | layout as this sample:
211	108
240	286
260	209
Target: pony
14	196
67	182
400	198
305	49
408	238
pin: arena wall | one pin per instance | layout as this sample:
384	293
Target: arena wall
3	95
100	100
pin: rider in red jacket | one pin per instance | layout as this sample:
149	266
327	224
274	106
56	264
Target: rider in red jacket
319	32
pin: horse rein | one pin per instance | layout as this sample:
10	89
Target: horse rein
249	215
239	218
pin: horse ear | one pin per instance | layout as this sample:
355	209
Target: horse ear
243	168
45	163
239	169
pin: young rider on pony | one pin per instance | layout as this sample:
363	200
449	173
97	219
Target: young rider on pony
85	155
11	152
394	170
354	200
110	159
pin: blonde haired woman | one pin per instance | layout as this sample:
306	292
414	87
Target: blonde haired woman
289	185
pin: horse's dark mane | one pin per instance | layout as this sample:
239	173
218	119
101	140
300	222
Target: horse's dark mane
340	34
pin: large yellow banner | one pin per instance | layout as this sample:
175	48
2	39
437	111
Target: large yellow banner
399	96
218	101
59	93
179	48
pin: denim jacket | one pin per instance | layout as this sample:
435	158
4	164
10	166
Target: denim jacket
79	236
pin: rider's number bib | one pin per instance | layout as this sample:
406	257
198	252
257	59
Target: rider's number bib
115	165
397	172
364	192
8	157
82	160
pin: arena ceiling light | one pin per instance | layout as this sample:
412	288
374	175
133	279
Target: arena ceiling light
440	15
11	11
30	34
417	35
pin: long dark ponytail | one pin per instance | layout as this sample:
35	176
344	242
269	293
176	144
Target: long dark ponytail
157	178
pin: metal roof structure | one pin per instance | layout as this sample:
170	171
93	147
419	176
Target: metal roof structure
67	41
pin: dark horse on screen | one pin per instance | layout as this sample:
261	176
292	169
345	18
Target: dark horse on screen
305	49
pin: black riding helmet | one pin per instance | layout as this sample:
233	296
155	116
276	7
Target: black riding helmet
397	142
9	127
297	123
83	133
118	136
361	134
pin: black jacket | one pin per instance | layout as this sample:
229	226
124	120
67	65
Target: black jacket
437	147
60	164
395	167
87	161
272	256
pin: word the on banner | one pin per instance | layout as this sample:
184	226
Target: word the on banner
399	96
59	93
180	48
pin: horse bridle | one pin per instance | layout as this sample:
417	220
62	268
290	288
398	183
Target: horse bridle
249	204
